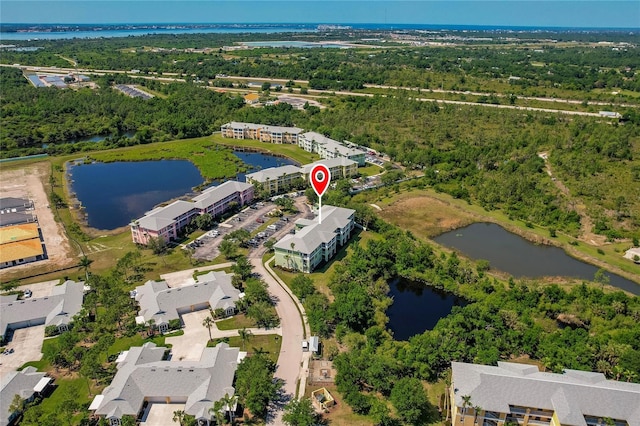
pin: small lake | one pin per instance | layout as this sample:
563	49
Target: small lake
115	193
417	307
514	255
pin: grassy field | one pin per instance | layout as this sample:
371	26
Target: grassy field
268	343
235	322
293	152
427	213
340	413
213	161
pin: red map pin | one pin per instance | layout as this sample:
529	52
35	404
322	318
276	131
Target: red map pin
320	177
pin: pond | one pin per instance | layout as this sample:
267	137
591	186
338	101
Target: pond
513	254
115	193
417	307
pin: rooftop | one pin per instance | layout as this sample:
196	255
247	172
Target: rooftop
571	395
20	383
272	173
212	195
144	375
59	308
329	162
332	145
309	238
161	217
11	234
24	249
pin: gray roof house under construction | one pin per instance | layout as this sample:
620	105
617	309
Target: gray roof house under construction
162	303
144	376
58	309
511	391
27	383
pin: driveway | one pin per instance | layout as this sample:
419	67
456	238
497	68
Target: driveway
190	345
160	414
27	346
182	278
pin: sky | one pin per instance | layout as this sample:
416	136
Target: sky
533	13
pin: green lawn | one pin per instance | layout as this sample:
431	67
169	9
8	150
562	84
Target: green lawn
370	170
124	343
235	322
291	151
213	161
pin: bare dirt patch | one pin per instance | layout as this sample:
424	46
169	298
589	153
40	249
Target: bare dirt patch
29	182
425	216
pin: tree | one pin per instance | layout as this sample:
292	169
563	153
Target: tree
17	403
302	286
157	245
300	412
218	412
601	278
178	416
228	249
466	403
410	399
203	221
208	322
85	262
245	336
228	404
242	267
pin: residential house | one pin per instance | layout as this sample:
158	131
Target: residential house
27	383
161	303
20	244
167	222
275	179
328	148
57	309
340	168
313	242
144	378
261	132
520	394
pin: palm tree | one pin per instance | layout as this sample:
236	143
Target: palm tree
208	322
228	402
466	403
217	411
245	335
178	416
84	264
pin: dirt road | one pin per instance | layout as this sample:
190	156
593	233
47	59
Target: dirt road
28	182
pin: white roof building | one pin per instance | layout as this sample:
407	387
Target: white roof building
143	375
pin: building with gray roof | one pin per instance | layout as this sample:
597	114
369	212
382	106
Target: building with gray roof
520	393
314	242
261	132
27	383
57	309
13	205
11	218
339	167
328	148
160	303
167	222
275	179
143	376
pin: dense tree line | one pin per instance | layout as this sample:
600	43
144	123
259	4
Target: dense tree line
581	328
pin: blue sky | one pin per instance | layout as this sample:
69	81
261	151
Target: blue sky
549	13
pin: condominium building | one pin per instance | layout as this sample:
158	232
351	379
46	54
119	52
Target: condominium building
314	242
261	132
167	222
275	179
160	303
328	148
340	168
145	378
520	394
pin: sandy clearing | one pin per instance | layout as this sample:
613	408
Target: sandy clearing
28	182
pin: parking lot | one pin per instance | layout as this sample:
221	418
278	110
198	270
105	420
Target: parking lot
250	219
27	346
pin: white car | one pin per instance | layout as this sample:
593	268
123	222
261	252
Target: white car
27	294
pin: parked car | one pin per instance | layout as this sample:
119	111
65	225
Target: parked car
260	220
27	294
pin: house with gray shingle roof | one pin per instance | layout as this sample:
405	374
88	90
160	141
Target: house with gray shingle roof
57	309
520	393
313	242
161	303
144	376
275	179
27	383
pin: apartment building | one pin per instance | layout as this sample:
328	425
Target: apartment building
328	148
275	179
313	242
167	222
261	132
340	168
520	394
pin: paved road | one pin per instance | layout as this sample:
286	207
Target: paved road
292	362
